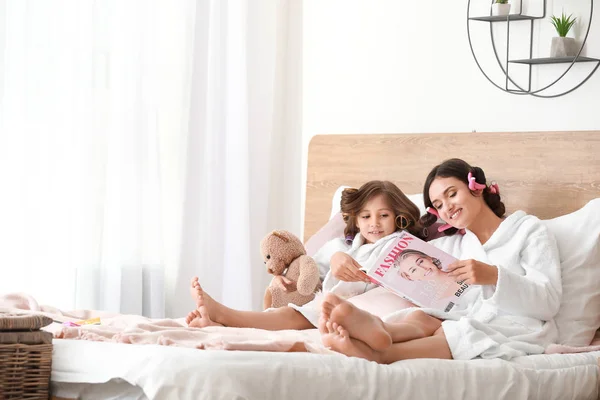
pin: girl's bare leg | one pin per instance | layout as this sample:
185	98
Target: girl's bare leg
212	312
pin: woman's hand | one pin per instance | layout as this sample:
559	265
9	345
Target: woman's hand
473	272
285	284
345	268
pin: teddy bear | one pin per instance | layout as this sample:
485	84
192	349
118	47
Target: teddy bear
284	254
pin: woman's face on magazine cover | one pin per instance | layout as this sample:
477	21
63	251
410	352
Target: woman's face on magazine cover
454	201
376	219
415	267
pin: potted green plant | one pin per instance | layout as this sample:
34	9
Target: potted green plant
500	7
563	46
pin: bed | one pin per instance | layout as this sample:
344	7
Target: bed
544	173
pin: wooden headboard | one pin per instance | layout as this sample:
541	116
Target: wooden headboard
544	173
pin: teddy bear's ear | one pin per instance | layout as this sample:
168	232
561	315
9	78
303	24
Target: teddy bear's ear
281	236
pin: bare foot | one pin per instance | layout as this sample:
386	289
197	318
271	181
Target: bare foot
326	309
199	319
360	324
323	321
338	339
195	289
206	307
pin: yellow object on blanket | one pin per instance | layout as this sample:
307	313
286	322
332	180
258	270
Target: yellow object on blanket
91	321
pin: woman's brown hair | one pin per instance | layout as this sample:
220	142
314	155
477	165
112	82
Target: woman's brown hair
459	169
407	213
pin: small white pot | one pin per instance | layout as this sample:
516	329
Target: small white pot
500	9
515	6
563	47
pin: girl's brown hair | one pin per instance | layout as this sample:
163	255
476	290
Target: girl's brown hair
407	213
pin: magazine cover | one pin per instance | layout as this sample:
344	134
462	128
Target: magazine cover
415	270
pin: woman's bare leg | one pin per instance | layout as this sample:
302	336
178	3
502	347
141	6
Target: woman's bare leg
198	318
337	338
415	325
211	312
434	346
371	329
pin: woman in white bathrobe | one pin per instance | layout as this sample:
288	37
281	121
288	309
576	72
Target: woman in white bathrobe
375	214
512	262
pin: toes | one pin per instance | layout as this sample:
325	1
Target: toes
329	326
192	315
323	325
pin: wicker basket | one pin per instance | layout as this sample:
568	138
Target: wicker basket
25	371
25	360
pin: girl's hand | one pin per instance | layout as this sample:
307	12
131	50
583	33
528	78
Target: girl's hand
285	284
345	268
473	272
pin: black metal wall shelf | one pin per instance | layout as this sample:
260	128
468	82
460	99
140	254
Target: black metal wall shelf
531	61
554	60
504	18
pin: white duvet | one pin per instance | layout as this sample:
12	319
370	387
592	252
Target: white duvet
181	373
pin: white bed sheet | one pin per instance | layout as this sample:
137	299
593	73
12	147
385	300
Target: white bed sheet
115	389
182	373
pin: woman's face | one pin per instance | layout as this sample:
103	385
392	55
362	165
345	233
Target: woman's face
454	202
376	219
417	267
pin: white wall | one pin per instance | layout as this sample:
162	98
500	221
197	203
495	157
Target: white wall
2	41
389	66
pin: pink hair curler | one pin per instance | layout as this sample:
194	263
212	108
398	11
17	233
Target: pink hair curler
474	185
494	188
433	211
444	227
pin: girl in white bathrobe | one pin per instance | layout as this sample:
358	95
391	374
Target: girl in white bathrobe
512	262
374	215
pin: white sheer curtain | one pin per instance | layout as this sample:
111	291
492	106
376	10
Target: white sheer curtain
244	149
141	143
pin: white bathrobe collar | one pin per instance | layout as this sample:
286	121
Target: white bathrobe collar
359	241
506	227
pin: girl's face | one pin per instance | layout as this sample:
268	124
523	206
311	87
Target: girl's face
454	202
416	267
376	219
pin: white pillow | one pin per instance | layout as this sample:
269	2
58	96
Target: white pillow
578	238
337	198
